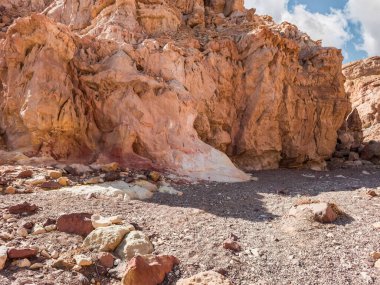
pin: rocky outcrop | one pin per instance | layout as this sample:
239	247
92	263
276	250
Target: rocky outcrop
188	86
363	87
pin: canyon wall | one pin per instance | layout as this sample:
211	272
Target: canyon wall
194	87
363	89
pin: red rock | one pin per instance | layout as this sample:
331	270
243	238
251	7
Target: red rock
49	221
50	185
106	259
25	174
23	208
21	252
28	225
75	223
230	244
148	270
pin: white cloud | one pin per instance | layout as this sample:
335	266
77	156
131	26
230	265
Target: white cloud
331	28
367	14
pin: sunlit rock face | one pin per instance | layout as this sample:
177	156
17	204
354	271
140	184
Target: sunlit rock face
363	87
200	88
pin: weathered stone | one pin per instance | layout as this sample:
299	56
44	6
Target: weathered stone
321	212
134	243
106	238
21	252
36	181
10	190
112	176
22	263
23	232
3	256
82	260
208	277
147	185
148	270
50	185
230	244
154	175
25	174
111	167
99	221
106	259
23	208
64	181
38	229
75	223
55	174
93	180
36	266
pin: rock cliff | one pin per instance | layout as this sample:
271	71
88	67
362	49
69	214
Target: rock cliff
363	89
195	87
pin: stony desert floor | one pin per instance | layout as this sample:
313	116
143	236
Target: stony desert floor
276	249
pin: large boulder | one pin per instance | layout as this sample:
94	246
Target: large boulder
169	84
148	269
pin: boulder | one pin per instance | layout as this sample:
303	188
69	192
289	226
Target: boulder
18	253
106	238
208	277
134	243
321	212
148	270
75	223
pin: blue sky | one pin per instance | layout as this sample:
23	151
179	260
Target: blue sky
351	25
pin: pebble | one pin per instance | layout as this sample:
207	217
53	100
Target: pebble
22	232
5	236
36	266
64	181
10	190
55	174
50	228
22	263
376	225
54	254
375	255
38	229
45	254
82	260
377	264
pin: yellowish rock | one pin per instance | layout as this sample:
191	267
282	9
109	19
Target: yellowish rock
64	181
55	174
110	167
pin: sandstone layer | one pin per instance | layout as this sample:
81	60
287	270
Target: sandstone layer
194	87
363	88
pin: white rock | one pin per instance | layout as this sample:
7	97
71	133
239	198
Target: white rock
134	243
100	221
169	190
50	228
38	229
147	185
82	260
3	256
54	254
36	181
120	189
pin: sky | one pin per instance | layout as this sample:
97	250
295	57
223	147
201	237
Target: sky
351	25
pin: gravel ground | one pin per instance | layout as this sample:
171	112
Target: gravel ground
276	248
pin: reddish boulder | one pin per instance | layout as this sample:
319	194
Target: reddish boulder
148	269
231	244
75	223
23	208
25	174
21	252
106	259
50	185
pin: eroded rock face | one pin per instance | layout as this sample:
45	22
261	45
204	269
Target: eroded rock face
363	87
183	85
